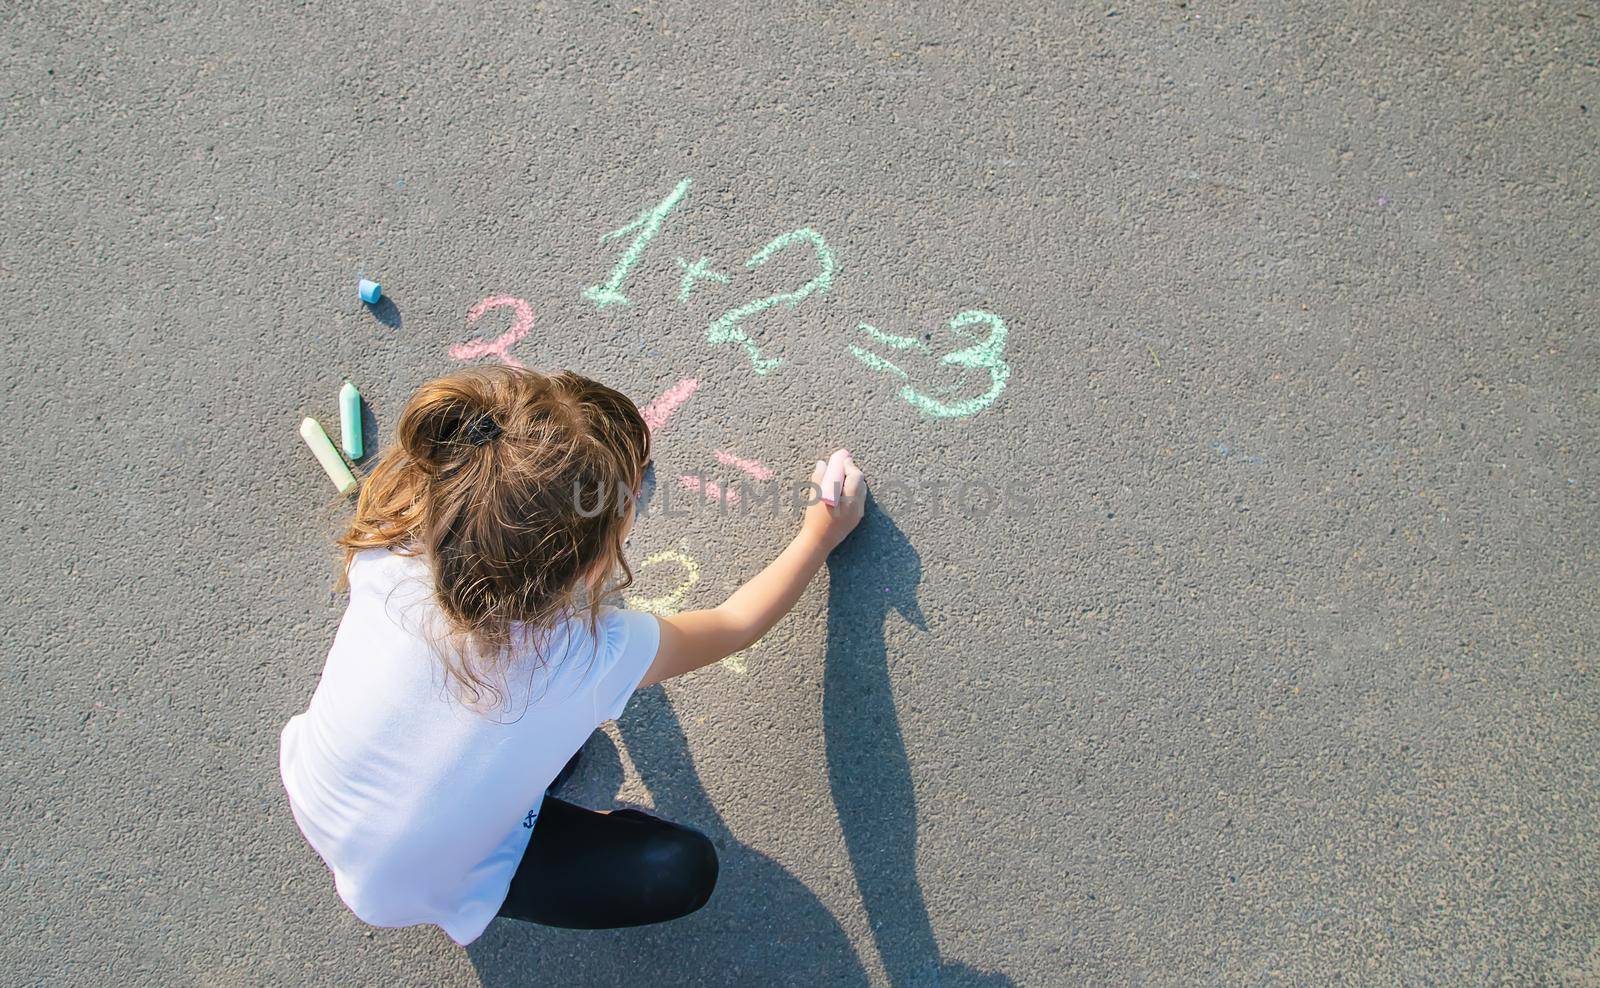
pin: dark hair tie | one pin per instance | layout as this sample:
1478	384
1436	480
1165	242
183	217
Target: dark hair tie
483	430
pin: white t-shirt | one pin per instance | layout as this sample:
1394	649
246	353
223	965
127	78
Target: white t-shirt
420	806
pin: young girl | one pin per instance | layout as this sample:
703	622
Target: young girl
476	657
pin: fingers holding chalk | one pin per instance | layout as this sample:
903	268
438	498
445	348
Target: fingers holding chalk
843	500
855	482
833	477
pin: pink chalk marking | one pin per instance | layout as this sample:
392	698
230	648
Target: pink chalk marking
711	489
751	467
501	345
657	412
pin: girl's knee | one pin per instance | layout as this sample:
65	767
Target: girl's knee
702	868
685	862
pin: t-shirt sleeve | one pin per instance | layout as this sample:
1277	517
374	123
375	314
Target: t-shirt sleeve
630	641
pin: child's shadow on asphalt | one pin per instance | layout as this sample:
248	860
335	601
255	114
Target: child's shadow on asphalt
874	574
762	925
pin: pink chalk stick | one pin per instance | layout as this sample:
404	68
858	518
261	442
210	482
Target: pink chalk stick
833	477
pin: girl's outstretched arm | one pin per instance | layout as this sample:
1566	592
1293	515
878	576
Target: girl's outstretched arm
692	639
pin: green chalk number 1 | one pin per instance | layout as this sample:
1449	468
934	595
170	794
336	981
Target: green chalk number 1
648	224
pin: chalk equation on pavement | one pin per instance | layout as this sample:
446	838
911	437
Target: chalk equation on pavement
738	323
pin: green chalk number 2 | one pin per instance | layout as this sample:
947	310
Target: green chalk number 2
727	328
985	355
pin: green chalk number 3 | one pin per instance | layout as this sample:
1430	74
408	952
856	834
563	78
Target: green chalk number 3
985	354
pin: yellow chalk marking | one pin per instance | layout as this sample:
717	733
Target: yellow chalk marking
671	603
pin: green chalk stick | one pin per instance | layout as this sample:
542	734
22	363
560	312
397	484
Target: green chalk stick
322	448
350	420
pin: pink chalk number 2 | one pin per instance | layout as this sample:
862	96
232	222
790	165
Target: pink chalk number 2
501	345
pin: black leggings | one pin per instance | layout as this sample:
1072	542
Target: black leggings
586	870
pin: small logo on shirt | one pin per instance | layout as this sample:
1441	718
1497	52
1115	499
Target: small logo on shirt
527	821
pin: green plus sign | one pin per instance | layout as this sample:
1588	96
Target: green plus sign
698	271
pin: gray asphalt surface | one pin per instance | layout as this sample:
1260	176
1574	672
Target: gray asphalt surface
1286	676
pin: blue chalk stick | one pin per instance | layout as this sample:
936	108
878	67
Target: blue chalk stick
371	291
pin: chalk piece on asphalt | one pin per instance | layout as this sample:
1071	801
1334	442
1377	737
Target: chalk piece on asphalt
322	447
833	477
350	420
371	291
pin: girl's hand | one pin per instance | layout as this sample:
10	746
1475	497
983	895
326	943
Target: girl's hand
691	639
829	525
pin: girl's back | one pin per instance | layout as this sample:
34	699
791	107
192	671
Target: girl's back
416	801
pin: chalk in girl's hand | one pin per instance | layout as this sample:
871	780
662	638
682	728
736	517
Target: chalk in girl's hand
833	476
371	291
322	447
350	420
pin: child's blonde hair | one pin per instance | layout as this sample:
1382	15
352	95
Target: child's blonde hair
514	485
